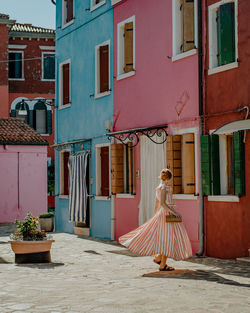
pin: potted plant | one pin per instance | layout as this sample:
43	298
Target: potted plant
30	244
46	221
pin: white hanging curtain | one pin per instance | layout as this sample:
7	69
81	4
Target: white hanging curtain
77	187
153	160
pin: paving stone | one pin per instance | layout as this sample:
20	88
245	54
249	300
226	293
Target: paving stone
88	275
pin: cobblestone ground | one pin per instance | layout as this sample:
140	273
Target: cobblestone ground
99	276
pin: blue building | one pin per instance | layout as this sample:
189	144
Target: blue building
84	112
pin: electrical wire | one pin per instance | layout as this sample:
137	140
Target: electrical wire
28	59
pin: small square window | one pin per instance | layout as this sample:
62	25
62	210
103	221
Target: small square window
94	4
16	65
65	85
48	60
68	11
102	61
126	48
183	26
222	34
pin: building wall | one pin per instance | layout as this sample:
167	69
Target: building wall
225	92
161	92
32	67
4	71
85	118
23	184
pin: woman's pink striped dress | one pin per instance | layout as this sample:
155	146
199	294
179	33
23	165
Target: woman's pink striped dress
158	237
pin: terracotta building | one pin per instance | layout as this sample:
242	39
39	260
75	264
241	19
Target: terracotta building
27	76
226	144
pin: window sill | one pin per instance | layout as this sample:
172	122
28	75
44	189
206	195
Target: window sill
64	106
103	94
68	24
125	75
19	79
184	55
63	197
225	198
113	2
223	68
124	196
47	80
93	8
45	135
185	197
102	198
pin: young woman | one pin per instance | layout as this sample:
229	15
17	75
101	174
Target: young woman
157	237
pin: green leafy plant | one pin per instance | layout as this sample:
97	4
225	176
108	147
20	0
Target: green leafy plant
28	229
46	215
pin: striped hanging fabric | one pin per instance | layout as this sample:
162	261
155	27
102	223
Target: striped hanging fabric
77	187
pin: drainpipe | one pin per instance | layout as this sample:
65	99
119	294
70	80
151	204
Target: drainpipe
201	102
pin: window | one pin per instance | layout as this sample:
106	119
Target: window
48	66
68	12
65	83
102	69
122	169
126	48
16	65
223	169
102	171
222	34
184	25
94	4
181	161
21	111
64	173
42	118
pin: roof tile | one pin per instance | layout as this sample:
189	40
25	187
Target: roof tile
16	132
29	28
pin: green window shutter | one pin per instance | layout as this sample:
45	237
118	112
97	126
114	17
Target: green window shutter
239	163
49	121
226	33
205	165
215	155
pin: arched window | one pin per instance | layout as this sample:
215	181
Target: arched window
21	111
40	118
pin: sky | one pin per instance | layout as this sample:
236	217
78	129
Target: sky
36	12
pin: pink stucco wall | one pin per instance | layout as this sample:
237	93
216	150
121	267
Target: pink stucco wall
160	92
23	181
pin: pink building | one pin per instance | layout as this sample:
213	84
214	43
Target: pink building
156	84
23	170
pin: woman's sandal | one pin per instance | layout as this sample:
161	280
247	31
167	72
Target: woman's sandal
166	268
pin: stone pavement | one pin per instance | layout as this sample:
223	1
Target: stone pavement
90	275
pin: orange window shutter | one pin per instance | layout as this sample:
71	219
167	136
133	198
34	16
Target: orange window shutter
188	25
174	162
128	47
188	163
104	68
117	168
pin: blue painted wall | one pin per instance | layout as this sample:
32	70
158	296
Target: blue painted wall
85	118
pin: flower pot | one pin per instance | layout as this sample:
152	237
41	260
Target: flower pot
46	224
31	251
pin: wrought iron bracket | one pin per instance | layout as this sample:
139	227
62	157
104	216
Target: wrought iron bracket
133	135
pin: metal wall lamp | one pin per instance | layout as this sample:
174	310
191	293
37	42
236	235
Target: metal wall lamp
133	135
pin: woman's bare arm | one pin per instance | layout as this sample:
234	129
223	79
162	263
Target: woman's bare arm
157	204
